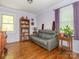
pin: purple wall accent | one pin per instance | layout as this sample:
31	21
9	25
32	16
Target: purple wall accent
76	19
57	11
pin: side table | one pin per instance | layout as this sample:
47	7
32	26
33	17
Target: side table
68	40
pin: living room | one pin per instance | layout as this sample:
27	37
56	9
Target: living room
41	15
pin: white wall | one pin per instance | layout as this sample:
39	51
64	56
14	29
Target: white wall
47	16
14	36
76	46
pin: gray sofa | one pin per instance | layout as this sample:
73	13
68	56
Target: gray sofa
46	39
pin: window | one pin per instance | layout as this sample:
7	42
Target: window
66	17
7	23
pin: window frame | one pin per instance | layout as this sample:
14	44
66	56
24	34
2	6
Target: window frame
7	23
66	20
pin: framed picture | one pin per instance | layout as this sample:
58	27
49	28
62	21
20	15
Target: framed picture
32	23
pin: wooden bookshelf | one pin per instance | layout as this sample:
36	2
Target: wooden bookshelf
24	29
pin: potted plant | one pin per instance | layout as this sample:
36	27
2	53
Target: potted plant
67	31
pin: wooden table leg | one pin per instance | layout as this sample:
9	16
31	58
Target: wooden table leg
61	43
71	46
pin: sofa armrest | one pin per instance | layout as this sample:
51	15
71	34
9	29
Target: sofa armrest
52	43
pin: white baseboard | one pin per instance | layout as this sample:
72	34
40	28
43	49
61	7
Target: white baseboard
12	42
75	51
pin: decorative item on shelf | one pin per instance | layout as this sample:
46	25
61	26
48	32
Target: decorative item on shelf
26	17
32	19
42	27
53	26
22	17
61	35
67	31
30	1
32	23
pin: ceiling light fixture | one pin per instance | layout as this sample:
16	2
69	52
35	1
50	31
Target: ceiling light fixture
29	1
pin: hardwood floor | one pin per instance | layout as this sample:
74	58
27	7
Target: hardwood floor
30	50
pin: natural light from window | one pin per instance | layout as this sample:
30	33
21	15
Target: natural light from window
66	17
7	23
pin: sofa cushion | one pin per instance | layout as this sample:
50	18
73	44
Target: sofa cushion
40	40
47	31
46	36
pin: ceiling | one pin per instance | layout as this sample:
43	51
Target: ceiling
35	7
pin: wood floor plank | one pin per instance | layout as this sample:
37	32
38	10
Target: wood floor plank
30	50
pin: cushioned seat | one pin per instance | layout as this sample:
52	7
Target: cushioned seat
46	39
39	40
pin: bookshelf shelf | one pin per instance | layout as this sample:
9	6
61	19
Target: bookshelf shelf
24	29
